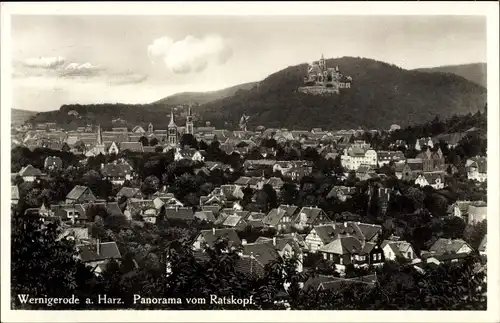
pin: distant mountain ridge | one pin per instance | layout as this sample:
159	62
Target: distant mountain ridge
199	98
381	95
474	72
18	116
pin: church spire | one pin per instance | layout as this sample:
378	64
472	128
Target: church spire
172	122
99	135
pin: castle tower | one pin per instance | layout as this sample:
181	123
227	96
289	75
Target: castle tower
322	63
172	130
189	123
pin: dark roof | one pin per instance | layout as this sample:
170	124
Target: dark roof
179	213
53	161
210	236
276	214
129	192
205	216
341	190
442	246
325	232
213	208
311	213
249	266
362	231
30	171
116	170
113	209
343	246
108	250
264	253
76	192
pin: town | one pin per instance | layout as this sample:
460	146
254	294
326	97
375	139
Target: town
303	219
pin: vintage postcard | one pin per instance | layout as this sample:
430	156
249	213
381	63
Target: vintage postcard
190	161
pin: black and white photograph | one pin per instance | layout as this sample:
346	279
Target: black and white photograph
261	161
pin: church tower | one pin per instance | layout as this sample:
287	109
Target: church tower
100	148
172	130
322	63
150	128
189	123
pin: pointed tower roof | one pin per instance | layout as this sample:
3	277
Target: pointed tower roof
172	122
189	111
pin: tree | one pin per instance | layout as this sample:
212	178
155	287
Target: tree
150	185
80	146
247	196
43	265
153	142
475	233
189	140
144	141
65	147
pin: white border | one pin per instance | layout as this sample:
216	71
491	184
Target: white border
488	9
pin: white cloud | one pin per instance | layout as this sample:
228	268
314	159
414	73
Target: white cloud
190	55
45	62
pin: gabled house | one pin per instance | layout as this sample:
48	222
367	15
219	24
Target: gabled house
209	237
188	153
148	210
394	250
410	170
53	162
205	216
434	179
113	148
424	142
280	217
80	194
117	173
310	216
97	255
477	169
341	192
364	232
129	192
235	222
74	213
30	173
320	236
385	157
449	246
345	250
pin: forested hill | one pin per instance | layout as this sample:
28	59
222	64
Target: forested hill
199	98
381	95
476	72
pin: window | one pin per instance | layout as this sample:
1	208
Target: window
325	256
374	257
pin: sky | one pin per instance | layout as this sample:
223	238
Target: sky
140	59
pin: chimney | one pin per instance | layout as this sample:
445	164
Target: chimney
243	241
213	231
98	246
274	241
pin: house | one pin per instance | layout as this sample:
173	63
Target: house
78	233
310	216
131	146
179	213
357	155
129	192
52	162
209	238
113	148
364	232
80	194
148	210
424	142
263	253
410	170
477	212
341	193
280	217
482	246
385	157
459	209
255	183
345	250
365	172
477	169
235	222
75	213
138	130
431	161
97	255
438	259
434	179
117	173
320	236
205	216
14	195
30	173
189	154
449	246
394	250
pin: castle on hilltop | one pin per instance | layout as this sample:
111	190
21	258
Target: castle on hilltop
322	79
